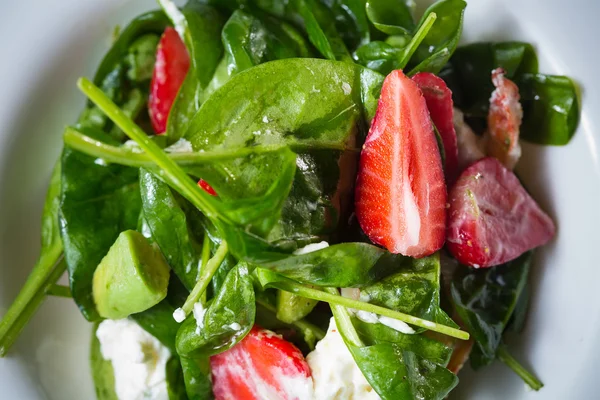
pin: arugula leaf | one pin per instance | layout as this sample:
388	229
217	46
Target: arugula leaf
551	109
442	39
102	371
414	290
228	318
393	17
98	202
171	227
485	301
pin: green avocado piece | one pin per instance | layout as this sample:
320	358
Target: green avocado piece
291	307
131	278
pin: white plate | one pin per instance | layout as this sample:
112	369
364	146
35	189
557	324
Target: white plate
46	45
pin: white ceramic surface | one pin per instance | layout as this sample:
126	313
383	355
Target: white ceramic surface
46	44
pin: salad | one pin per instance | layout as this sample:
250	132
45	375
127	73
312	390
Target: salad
298	199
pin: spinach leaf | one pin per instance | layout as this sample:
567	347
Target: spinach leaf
171	227
175	380
379	56
158	321
200	26
319	108
485	301
414	290
228	318
550	103
398	374
196	374
393	17
350	21
442	39
123	72
341	265
102	371
421	345
313	28
98	202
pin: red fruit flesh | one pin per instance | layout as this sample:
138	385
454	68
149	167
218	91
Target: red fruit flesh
400	189
172	64
261	366
441	108
492	218
207	188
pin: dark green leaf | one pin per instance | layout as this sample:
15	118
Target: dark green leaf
396	374
171	227
485	300
142	57
158	321
175	380
441	40
102	371
379	56
393	17
50	228
98	202
196	373
228	318
350	21
414	290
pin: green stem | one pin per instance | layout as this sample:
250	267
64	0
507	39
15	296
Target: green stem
301	324
416	40
47	271
169	169
126	156
343	321
205	260
335	299
504	356
207	274
59	291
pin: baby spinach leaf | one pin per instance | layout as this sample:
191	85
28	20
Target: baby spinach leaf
158	321
228	318
398	374
171	228
419	344
102	371
350	21
378	56
393	17
414	289
98	202
550	108
485	300
123	72
341	265
442	39
196	374
175	380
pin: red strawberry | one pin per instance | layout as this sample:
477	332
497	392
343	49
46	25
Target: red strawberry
207	188
261	366
441	108
492	218
400	189
172	64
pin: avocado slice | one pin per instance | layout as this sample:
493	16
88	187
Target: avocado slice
131	278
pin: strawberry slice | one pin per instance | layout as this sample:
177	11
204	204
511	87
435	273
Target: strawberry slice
206	187
441	108
400	189
492	218
261	366
504	120
172	64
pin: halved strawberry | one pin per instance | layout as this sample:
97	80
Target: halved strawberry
172	64
441	108
400	189
492	218
207	188
261	366
504	120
